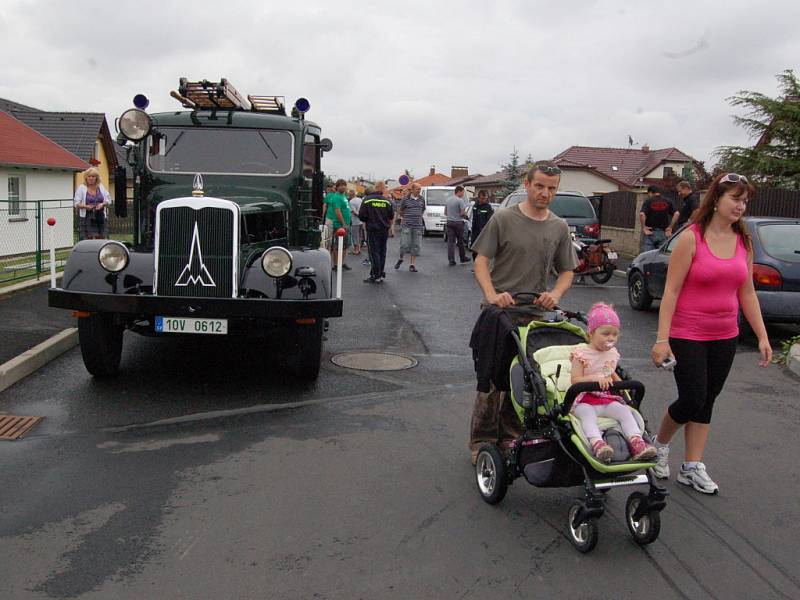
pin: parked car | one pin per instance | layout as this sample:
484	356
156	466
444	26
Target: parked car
435	197
573	207
776	269
468	221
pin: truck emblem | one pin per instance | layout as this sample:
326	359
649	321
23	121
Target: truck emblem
195	265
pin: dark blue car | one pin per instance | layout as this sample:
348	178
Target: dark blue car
776	269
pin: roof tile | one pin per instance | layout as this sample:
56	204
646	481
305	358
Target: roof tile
23	146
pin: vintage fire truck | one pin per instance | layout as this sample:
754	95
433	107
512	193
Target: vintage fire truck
227	195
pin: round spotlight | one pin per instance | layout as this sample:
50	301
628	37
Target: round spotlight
113	257
135	124
140	101
302	105
276	261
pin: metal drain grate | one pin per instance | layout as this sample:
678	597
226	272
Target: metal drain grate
13	428
374	361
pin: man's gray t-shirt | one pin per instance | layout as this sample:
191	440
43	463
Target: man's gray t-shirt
453	208
523	250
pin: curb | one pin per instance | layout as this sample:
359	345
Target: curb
619	273
10	289
794	359
29	361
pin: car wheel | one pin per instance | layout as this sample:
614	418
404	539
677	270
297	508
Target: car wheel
638	296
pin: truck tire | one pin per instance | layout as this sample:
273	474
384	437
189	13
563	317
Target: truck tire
100	339
307	358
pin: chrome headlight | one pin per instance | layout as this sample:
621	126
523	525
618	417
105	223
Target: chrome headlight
113	257
135	124
276	262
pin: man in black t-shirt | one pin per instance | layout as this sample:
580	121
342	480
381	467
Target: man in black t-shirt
691	202
655	219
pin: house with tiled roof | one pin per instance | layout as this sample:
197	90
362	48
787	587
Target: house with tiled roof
432	178
84	134
599	170
32	168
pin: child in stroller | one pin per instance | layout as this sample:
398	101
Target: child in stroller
598	362
553	450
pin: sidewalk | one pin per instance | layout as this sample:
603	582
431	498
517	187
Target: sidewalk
27	322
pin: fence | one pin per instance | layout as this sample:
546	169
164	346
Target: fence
25	235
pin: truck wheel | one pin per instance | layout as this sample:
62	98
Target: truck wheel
307	358
101	344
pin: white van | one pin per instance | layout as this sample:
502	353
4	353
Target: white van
436	197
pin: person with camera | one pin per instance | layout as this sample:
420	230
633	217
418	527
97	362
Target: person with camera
91	200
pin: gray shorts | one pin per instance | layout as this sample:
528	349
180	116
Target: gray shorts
410	241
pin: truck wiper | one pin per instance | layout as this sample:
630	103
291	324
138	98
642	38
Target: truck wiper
180	135
261	135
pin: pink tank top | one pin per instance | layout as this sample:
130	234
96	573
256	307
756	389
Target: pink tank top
708	305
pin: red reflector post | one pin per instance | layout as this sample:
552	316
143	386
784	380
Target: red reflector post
765	275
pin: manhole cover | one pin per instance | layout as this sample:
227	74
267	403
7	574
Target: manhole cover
374	361
13	427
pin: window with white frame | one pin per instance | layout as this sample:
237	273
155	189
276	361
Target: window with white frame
15	196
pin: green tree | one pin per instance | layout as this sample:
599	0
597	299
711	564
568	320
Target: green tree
774	160
513	173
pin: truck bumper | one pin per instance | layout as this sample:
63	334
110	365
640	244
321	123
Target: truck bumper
252	308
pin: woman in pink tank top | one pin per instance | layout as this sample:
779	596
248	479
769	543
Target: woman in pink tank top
709	279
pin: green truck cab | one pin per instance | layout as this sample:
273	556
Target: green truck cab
227	233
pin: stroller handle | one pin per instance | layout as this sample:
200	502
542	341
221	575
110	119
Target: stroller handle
524	298
593	386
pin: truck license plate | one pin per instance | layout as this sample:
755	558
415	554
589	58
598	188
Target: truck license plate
189	325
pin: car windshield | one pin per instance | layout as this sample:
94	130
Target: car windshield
221	151
572	207
781	240
438	197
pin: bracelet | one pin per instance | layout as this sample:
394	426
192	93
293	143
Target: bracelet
662	341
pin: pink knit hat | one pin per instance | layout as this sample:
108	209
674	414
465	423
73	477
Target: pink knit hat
602	314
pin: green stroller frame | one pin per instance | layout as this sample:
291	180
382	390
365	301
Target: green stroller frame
553	451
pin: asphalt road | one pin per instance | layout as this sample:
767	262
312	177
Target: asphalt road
204	472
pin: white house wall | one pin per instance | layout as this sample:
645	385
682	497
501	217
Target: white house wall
18	233
658	172
585	182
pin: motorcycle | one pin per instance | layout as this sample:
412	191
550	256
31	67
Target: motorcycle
595	258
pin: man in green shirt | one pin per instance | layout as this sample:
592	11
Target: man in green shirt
337	214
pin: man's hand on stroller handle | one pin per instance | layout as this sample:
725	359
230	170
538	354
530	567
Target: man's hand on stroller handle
502	299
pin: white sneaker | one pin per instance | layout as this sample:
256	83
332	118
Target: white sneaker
661	470
698	479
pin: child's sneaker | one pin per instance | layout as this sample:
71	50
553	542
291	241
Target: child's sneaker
661	470
602	451
640	450
697	477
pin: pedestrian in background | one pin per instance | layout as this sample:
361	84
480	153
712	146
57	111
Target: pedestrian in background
377	215
691	202
356	227
655	219
709	280
456	212
411	210
482	211
338	216
91	200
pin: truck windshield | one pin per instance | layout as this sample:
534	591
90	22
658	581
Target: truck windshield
438	197
221	151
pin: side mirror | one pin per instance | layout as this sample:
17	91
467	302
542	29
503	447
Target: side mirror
326	144
121	192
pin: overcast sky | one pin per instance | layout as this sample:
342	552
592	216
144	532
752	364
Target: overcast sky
407	85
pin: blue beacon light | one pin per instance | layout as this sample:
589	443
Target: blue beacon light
140	101
302	105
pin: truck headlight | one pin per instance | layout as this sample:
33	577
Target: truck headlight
135	124
113	257
276	261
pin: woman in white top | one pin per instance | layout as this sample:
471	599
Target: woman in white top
91	200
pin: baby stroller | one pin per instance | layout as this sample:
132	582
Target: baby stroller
553	451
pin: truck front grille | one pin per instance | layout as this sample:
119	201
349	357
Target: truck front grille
196	249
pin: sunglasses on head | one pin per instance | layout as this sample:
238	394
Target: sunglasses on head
734	178
547	170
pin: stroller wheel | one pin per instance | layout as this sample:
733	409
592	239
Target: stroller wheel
583	536
646	528
491	474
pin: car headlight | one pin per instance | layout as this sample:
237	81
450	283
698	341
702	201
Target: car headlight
134	124
276	262
113	257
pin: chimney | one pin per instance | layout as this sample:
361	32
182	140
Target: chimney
645	148
433	170
458	172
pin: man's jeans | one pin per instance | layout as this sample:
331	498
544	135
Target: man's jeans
376	244
654	240
455	236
